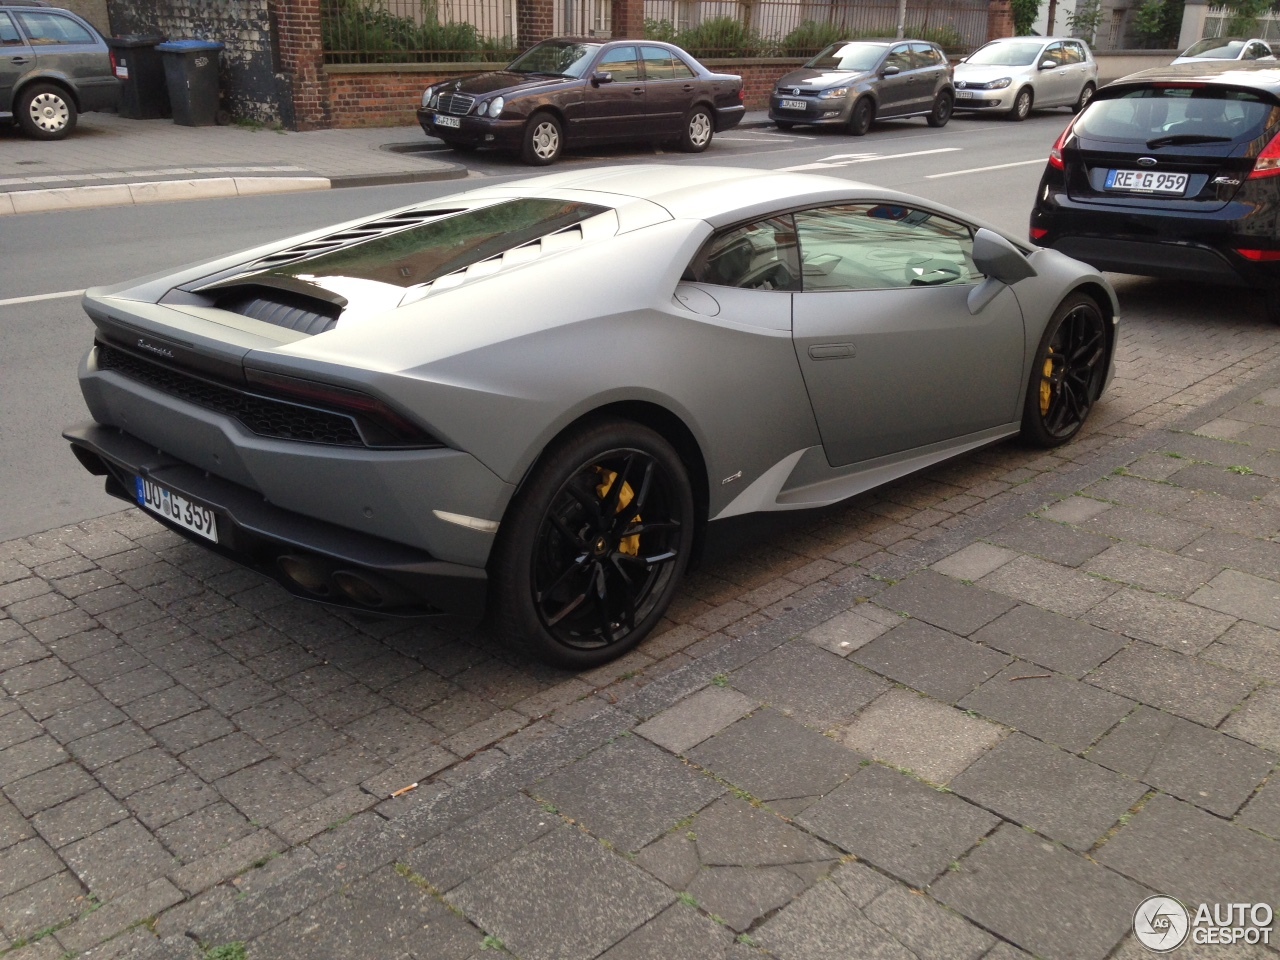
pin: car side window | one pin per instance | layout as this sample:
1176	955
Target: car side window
924	55
758	256
1053	52
9	35
877	246
1072	53
660	64
49	28
899	57
1261	50
622	63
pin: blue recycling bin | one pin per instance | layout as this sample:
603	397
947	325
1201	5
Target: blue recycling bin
191	73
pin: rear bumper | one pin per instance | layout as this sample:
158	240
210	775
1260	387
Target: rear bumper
401	580
729	117
1170	261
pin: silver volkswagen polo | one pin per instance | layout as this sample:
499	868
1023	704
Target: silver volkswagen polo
1015	75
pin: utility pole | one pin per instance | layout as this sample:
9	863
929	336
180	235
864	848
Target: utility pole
902	18
1053	12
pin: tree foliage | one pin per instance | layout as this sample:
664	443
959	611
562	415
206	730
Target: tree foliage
1025	13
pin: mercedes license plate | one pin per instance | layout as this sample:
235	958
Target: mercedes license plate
176	509
793	105
453	122
1147	181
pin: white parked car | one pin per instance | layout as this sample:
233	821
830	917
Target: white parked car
1013	75
1226	48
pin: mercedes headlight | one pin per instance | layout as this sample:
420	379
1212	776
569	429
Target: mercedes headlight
495	106
430	97
833	93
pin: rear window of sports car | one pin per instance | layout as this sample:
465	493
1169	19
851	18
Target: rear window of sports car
440	247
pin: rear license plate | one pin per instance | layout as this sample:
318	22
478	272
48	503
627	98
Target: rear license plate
964	94
453	122
793	105
176	509
1147	181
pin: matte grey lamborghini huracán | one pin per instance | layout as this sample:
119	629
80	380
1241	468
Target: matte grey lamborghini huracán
531	399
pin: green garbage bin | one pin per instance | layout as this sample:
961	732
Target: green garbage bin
144	91
191	72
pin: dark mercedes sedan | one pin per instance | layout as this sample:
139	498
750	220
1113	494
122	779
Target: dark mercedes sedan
1172	172
566	92
854	82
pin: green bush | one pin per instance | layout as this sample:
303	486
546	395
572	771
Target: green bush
723	37
1024	15
663	31
360	31
811	37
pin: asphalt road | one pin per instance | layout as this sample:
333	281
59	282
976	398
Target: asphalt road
986	167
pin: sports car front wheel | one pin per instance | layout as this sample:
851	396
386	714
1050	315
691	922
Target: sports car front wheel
592	550
1068	373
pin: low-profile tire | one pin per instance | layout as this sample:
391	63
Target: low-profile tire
784	124
543	140
860	118
942	109
698	129
1085	98
593	547
46	111
1067	374
1022	105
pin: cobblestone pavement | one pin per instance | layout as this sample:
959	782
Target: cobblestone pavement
982	711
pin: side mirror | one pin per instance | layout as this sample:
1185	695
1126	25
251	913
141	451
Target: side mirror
890	70
996	257
601	76
1047	64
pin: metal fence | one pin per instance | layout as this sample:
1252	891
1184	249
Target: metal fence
1217	23
422	31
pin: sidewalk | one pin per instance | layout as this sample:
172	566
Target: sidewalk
992	743
98	165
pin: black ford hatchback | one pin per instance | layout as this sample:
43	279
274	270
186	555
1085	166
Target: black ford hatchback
1173	172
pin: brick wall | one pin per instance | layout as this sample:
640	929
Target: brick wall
999	19
252	89
535	20
368	96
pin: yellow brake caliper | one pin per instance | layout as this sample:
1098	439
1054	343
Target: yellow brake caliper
629	545
1046	388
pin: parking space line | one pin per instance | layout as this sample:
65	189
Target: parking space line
844	159
998	166
40	296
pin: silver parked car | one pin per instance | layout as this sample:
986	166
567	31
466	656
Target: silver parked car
534	397
1013	75
1226	48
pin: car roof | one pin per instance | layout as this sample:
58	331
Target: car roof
1255	74
718	195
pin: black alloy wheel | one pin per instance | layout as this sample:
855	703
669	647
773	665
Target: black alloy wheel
1022	105
1068	373
591	553
864	112
941	111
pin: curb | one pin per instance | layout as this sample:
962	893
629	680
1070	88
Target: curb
210	188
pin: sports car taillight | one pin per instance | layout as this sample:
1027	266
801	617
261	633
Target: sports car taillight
1268	162
1055	155
380	425
1259	256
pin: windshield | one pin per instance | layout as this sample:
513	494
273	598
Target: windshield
1006	54
1177	115
848	56
1216	48
559	58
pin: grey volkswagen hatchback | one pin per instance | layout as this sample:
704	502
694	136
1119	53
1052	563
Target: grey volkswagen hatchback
53	67
855	82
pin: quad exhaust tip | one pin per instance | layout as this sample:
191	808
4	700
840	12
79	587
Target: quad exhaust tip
318	578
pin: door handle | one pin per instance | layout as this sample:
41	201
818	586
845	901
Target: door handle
638	90
831	351
19	60
687	87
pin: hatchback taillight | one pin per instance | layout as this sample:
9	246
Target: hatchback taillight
1268	162
1055	155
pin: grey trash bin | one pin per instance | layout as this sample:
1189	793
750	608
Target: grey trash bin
191	70
144	94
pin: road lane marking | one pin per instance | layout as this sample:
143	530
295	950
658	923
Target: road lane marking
998	166
845	159
41	296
